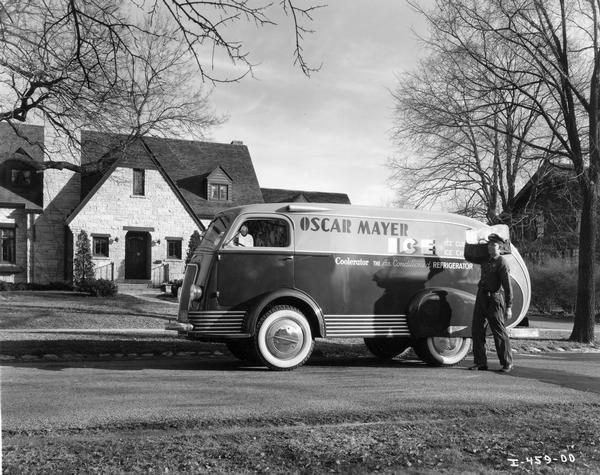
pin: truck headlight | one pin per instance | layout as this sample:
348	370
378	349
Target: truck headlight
195	293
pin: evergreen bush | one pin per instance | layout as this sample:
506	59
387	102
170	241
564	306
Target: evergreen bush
194	242
83	266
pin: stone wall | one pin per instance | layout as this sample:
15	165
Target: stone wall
113	208
61	196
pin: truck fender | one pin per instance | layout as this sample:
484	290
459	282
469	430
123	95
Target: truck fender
441	312
287	296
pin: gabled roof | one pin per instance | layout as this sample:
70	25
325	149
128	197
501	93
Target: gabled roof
189	163
21	150
278	195
541	181
219	171
185	164
137	153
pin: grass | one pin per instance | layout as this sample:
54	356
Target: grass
27	310
50	310
529	438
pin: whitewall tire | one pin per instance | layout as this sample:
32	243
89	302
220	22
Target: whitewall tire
442	351
283	338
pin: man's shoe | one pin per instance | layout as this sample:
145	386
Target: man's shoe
507	368
478	367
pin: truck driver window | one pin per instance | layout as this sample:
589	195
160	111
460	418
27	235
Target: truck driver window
269	232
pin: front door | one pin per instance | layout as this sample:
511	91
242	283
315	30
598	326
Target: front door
136	255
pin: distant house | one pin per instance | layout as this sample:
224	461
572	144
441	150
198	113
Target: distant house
547	214
276	195
139	202
21	199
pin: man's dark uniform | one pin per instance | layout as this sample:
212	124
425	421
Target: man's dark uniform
494	296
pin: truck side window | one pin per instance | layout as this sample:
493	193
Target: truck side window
269	232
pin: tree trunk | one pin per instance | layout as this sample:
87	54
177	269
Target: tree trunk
583	328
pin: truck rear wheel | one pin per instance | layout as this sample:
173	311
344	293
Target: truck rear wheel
283	338
387	348
442	351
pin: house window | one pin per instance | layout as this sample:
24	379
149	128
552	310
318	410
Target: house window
219	192
173	248
139	177
539	225
8	246
20	177
100	246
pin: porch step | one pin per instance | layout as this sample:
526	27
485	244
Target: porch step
133	286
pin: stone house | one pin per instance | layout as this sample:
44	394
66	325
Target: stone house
139	203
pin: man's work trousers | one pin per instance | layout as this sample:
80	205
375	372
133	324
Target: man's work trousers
490	307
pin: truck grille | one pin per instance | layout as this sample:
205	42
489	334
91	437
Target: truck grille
217	322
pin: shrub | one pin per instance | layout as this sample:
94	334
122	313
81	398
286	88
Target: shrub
83	266
194	242
175	285
34	286
98	287
554	285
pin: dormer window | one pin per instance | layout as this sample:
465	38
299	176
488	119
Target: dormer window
218	192
21	178
219	185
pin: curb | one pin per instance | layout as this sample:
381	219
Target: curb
49	358
98	331
529	333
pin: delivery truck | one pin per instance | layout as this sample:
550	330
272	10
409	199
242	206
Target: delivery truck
396	278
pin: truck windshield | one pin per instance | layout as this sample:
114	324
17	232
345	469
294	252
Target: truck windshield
215	232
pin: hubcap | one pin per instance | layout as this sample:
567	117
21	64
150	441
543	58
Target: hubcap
284	338
447	346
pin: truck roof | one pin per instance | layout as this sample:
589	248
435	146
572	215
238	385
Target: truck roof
356	211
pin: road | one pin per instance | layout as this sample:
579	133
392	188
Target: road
52	395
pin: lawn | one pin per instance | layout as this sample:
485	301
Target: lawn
32	309
526	439
24	310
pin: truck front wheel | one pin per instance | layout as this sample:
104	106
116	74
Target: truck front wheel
283	338
442	351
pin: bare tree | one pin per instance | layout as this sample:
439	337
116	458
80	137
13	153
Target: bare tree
557	41
460	139
124	66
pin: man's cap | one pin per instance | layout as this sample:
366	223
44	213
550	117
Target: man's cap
495	238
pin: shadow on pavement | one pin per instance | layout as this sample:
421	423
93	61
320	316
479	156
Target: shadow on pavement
564	379
204	363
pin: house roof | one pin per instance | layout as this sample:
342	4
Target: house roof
278	195
542	180
16	152
189	164
185	164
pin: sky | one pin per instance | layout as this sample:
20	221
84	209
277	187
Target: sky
329	132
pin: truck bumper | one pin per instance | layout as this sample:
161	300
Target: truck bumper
179	326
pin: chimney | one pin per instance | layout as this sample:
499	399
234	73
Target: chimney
237	142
